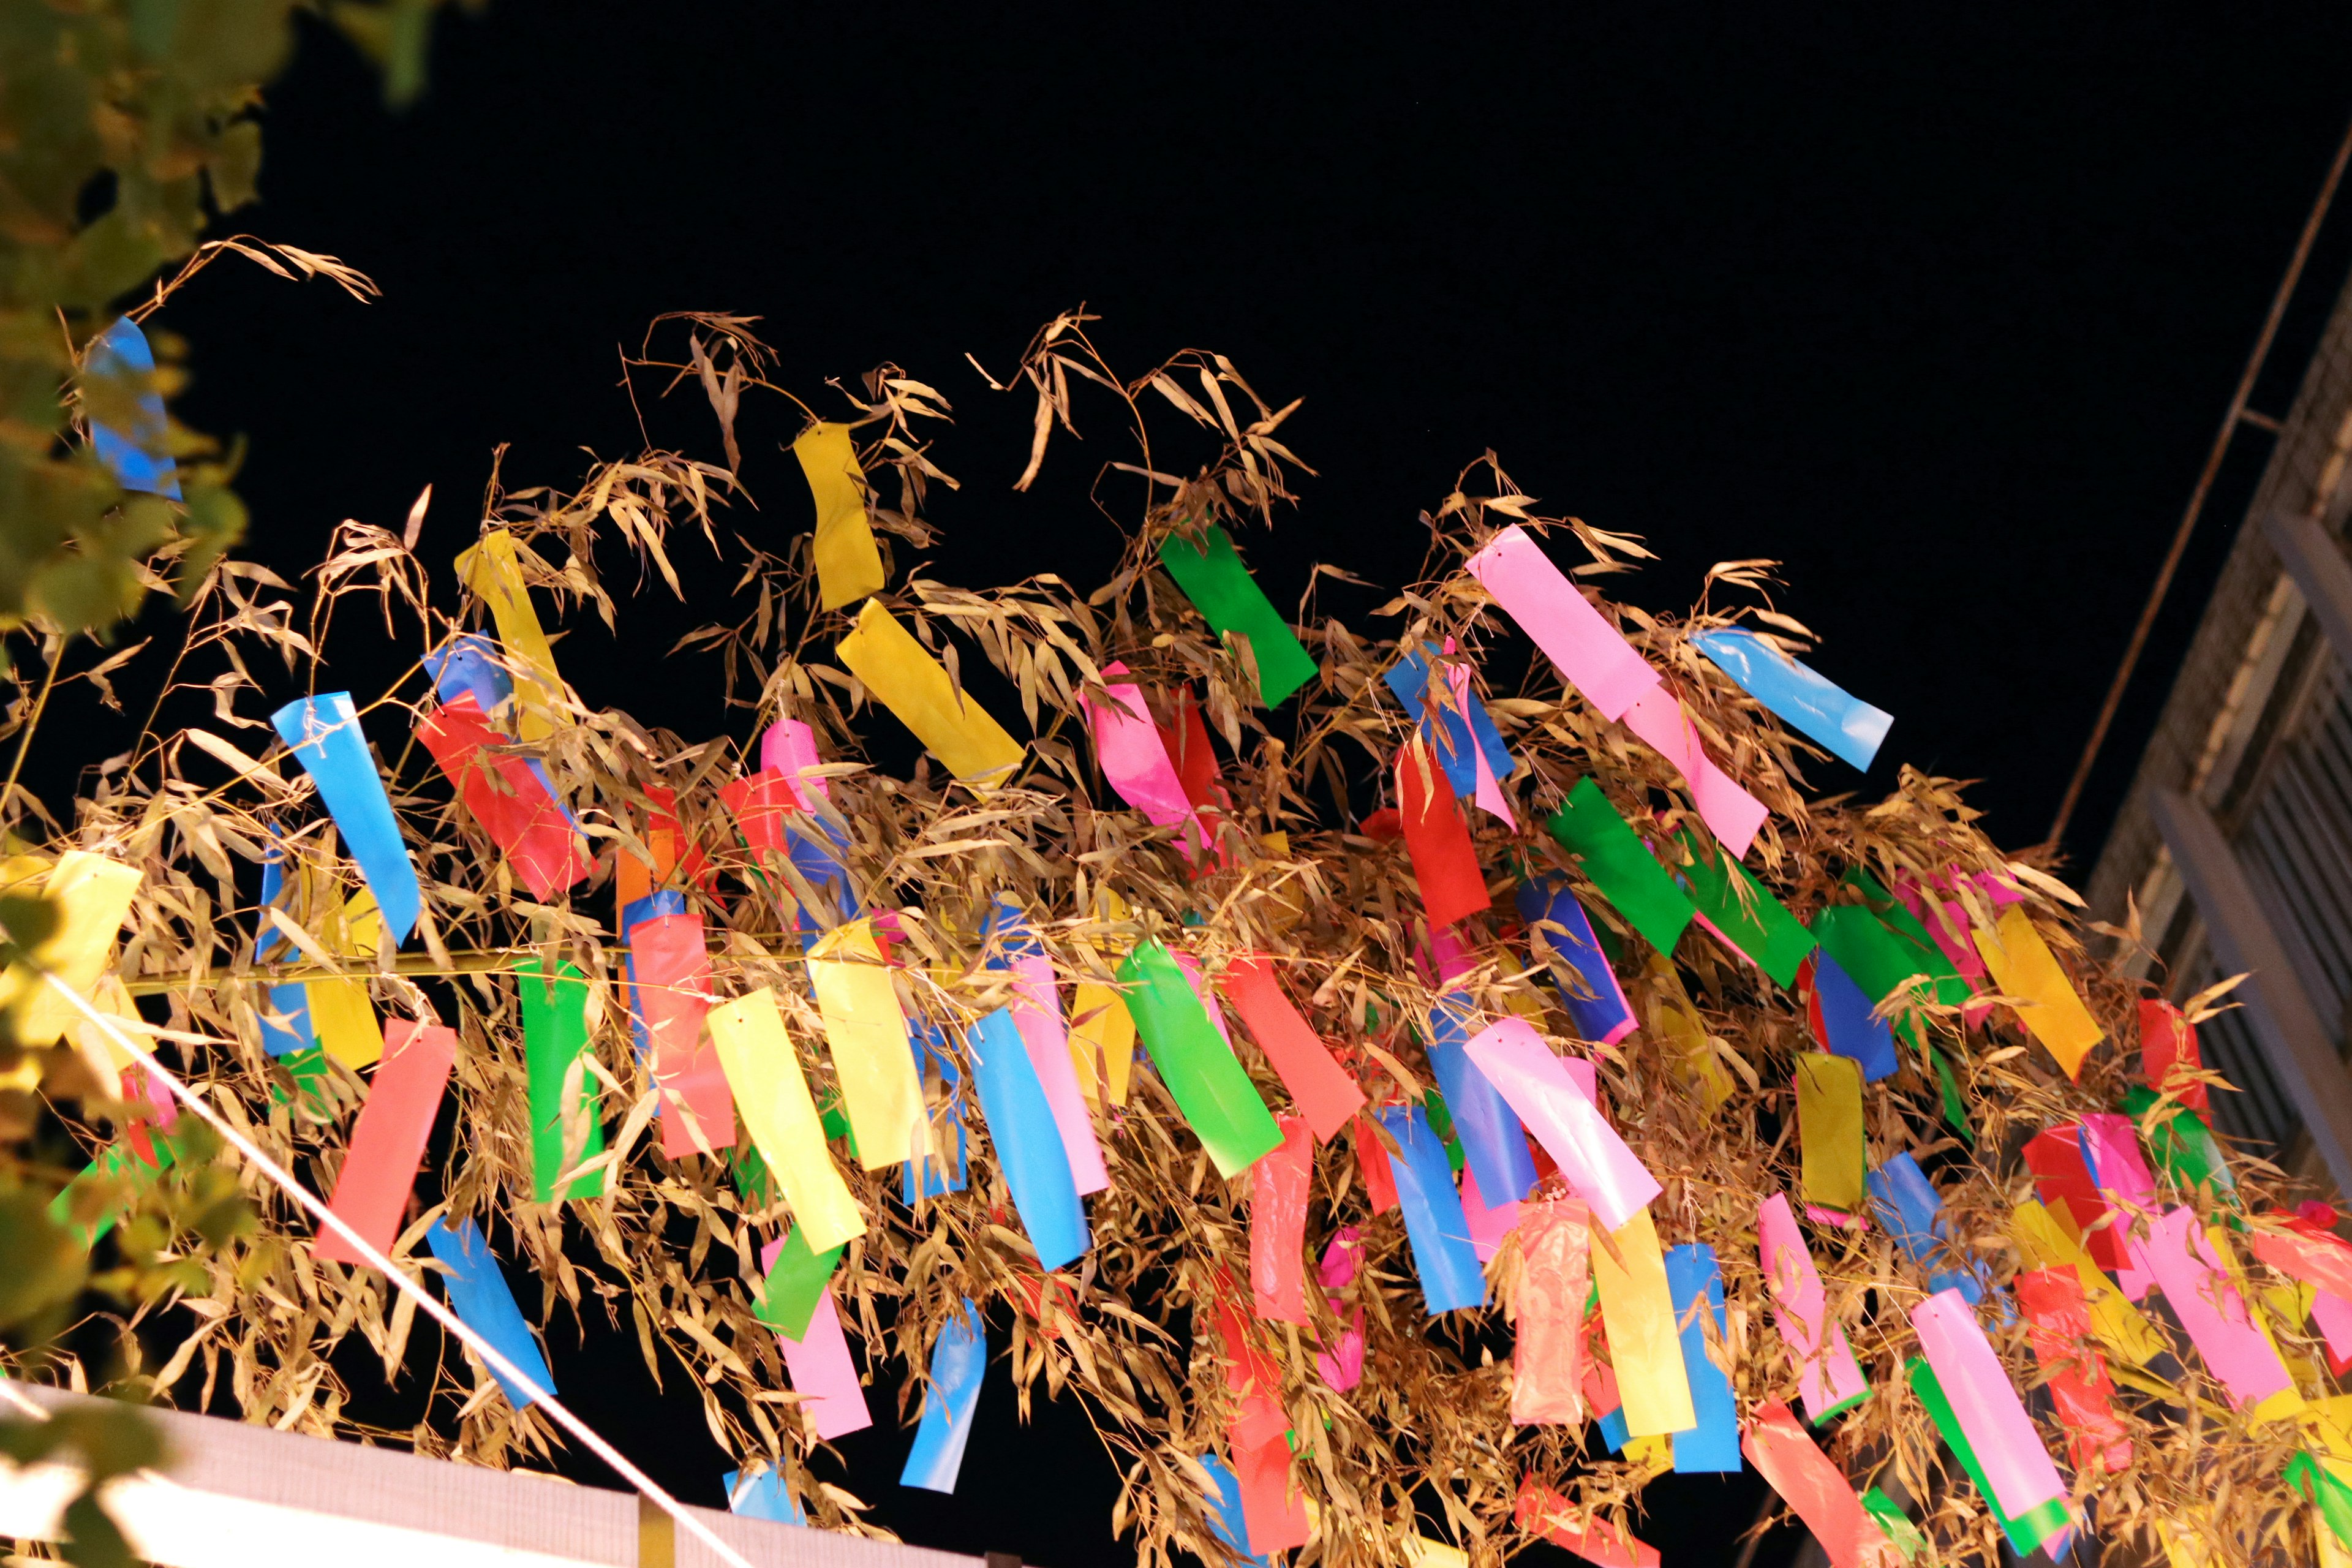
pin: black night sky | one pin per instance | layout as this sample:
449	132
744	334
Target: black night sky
1941	309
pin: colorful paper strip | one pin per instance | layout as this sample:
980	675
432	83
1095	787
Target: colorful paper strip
136	452
1637	1308
1037	1013
865	1033
1028	1145
507	797
324	732
2058	1324
2016	1465
1492	1138
2025	969
1816	1490
1232	604
904	678
478	1293
848	562
1277	1225
1743	911
1196	1063
1538	1087
1324	1092
794	1279
669	989
1828	1378
1908	1205
1591	653
958	1362
1435	1227
2167	1043
1547	1369
1712	1446
387	1140
825	1377
748	1039
565	1131
1558	928
1542	1511
1848	727
1445	863
1830	1127
1135	760
2187	1266
1730	812
1587	827
1460	730
1844	1023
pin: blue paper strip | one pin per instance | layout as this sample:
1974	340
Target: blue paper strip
292	999
1712	1447
763	1497
1907	1205
1492	1141
1614	1431
136	455
1452	736
467	665
1226	1518
1434	1221
1604	1014
1847	1020
1844	723
324	734
1028	1144
817	857
926	1177
959	1359
480	1296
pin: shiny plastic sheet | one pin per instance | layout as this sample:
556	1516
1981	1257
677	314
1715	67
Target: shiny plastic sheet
139	456
1730	812
821	1372
324	732
1492	1140
493	569
1542	1511
1637	1308
1435	1225
1911	1209
1135	760
904	678
2236	1348
793	1279
1587	827
1232	604
669	973
1845	1024
748	1039
1558	927
1711	1445
2024	968
2016	1465
478	1293
1591	654
1461	732
1037	1013
1848	727
516	808
2058	1324
873	1057
1816	1490
958	1360
1547	1370
2167	1041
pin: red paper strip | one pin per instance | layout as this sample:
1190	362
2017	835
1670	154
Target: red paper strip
1274	1515
2059	1175
1816	1490
2058	1321
1277	1221
1443	863
1251	1377
388	1140
1372	1159
2167	1040
2310	1254
1321	1089
514	809
672	995
761	806
1546	1363
1187	740
1543	1512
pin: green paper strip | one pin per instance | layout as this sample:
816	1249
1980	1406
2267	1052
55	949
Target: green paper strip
1955	1110
2330	1496
1230	600
2184	1145
1622	867
1440	1121
1926	957
308	1068
795	1284
1745	912
1897	1524
2024	1534
554	1037
112	1162
1193	1060
752	1183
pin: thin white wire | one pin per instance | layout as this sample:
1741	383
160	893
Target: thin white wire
401	1282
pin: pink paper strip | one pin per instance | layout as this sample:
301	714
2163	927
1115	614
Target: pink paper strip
1594	656
825	1377
1489	1227
1135	760
1946	920
2016	1465
2177	1254
1606	1174
1730	812
2110	1152
790	748
387	1141
1037	1013
1828	1376
2333	1314
1452	955
1489	794
1342	1366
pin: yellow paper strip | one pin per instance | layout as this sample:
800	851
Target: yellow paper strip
2024	968
341	1014
91	895
772	1096
872	1057
492	570
1638	1311
2046	1241
848	565
1102	1031
1682	1034
916	689
1829	1120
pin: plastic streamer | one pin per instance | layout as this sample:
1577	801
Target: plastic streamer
825	1377
848	562
669	977
748	1035
2168	1052
1844	1022
958	1360
138	455
1037	1013
1911	1209
341	1013
1277	1223
1730	812
91	895
1226	1512
866	1034
1342	1365
1490	1223
1829	1380
2058	1323
763	1496
1323	1090
2043	1241
565	1131
1537	1085
1195	1061
1028	1145
516	808
917	690
1547	1372
2022	1537
1435	1225
1711	1445
1593	655
2063	1178
1492	1140
2187	1266
1740	910
1135	760
479	1294
323	733
1637	1308
1445	863
1229	599
1558	928
1587	827
387	1141
1850	728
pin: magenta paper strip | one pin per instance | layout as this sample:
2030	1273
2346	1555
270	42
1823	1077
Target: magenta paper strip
1342	1366
1489	1227
1828	1375
1452	956
2235	1349
1730	812
1037	1013
1597	661
825	1377
2111	1151
1606	1174
1993	1420
1135	760
790	748
1946	920
2332	1315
